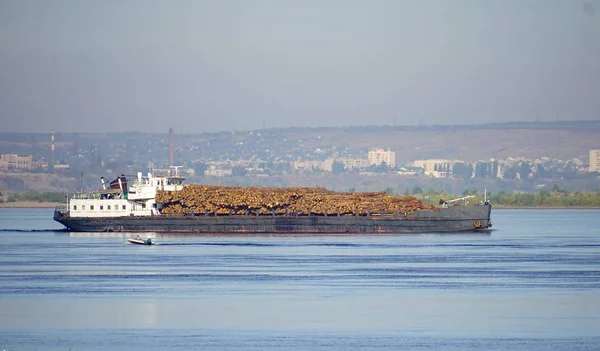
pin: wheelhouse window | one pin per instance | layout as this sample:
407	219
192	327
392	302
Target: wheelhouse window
108	207
143	205
124	207
83	207
101	207
91	207
74	207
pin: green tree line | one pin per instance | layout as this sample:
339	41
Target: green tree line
543	198
555	198
548	199
35	196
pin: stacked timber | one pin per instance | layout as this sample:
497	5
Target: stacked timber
232	200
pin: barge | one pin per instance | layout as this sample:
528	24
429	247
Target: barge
129	205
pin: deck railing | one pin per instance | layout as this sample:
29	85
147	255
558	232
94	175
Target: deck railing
85	196
62	209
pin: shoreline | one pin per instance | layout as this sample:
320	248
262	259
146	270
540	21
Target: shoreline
31	204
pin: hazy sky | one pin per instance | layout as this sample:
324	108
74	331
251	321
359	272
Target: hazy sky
98	65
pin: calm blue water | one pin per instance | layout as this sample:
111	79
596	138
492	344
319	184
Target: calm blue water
532	284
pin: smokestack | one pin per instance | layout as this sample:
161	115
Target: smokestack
52	148
170	147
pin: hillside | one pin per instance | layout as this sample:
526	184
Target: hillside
91	155
561	140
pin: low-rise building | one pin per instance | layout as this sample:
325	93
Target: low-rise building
437	168
16	161
218	169
308	165
410	171
348	162
214	172
61	166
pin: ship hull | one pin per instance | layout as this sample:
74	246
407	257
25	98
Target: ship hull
447	220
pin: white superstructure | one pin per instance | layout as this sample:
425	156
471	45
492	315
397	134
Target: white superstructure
124	197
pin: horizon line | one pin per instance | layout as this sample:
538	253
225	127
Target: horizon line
414	127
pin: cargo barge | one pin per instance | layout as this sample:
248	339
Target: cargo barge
126	206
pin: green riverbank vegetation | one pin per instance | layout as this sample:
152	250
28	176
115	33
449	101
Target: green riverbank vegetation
33	196
556	197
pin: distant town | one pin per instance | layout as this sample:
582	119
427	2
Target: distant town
371	158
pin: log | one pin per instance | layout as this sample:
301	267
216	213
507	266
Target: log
226	200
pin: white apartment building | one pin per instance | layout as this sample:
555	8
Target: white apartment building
435	167
594	161
378	156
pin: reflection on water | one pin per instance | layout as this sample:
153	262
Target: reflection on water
534	283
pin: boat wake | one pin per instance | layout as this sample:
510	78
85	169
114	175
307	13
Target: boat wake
221	244
34	230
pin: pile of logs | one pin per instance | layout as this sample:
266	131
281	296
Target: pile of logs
232	200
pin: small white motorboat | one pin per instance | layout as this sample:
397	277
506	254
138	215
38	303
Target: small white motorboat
138	240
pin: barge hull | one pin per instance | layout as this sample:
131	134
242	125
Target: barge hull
446	220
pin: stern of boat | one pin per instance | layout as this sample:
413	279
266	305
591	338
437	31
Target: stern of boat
486	222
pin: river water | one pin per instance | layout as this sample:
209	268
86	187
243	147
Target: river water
531	284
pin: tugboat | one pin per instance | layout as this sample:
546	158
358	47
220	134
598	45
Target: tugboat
136	239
